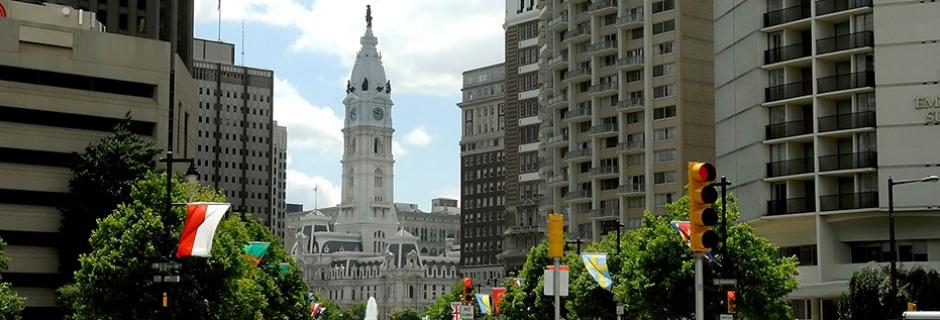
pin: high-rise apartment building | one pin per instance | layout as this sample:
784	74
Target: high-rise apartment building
141	18
844	97
524	226
626	103
279	184
482	172
235	134
65	84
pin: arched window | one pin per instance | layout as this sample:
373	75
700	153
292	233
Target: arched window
411	292
375	146
353	146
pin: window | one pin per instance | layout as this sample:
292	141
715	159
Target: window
636	33
636	159
660	156
635	75
664	112
664	69
663	198
529	134
805	255
664	5
665	26
664	91
634	117
610	142
636	202
880	251
610	184
610	19
664	177
662	48
664	134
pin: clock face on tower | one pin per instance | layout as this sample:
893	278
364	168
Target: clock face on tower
378	114
353	114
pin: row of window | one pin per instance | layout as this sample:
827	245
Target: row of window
863	252
232	94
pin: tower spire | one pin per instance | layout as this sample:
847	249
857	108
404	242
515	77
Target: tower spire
368	16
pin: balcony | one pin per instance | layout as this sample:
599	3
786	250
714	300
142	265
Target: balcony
791	206
603	47
556	139
845	42
630	103
824	7
546	124
576	34
785	15
789	90
578	194
848	161
632	188
558	61
793	51
630	61
607	128
846	81
605	212
560	100
560	20
578	113
789	167
631	145
606	87
605	171
788	129
579	153
847	121
636	17
578	73
849	201
602	6
558	178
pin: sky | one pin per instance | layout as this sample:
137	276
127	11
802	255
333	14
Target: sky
311	46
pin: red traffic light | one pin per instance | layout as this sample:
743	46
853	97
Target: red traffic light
706	172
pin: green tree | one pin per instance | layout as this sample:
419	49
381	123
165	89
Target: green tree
102	177
526	301
405	314
440	308
114	281
11	305
869	293
355	312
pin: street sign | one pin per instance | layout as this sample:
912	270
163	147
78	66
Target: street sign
727	317
726	282
549	281
466	311
619	310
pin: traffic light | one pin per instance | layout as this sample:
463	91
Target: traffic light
556	235
467	286
701	215
731	296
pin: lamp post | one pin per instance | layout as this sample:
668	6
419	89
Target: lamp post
894	252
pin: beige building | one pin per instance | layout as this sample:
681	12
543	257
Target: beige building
64	83
625	103
843	98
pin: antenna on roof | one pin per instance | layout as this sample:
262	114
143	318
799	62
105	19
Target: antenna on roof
219	11
243	42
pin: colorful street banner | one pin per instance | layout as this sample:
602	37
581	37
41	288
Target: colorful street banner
282	269
483	300
256	250
498	294
455	310
683	228
202	218
316	310
596	265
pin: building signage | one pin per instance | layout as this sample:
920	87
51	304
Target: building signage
931	105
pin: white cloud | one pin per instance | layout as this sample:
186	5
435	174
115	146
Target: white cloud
425	44
398	150
300	189
309	126
418	137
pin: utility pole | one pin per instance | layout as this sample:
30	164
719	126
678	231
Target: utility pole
699	288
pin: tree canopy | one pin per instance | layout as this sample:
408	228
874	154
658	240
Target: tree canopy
868	296
115	278
11	305
102	177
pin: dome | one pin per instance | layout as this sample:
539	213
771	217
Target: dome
368	74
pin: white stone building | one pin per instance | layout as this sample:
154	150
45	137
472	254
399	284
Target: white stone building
363	247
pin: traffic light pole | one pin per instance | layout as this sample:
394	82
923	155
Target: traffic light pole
699	288
556	277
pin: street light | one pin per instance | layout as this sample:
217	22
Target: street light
894	252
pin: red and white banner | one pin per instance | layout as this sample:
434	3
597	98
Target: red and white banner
202	218
498	294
